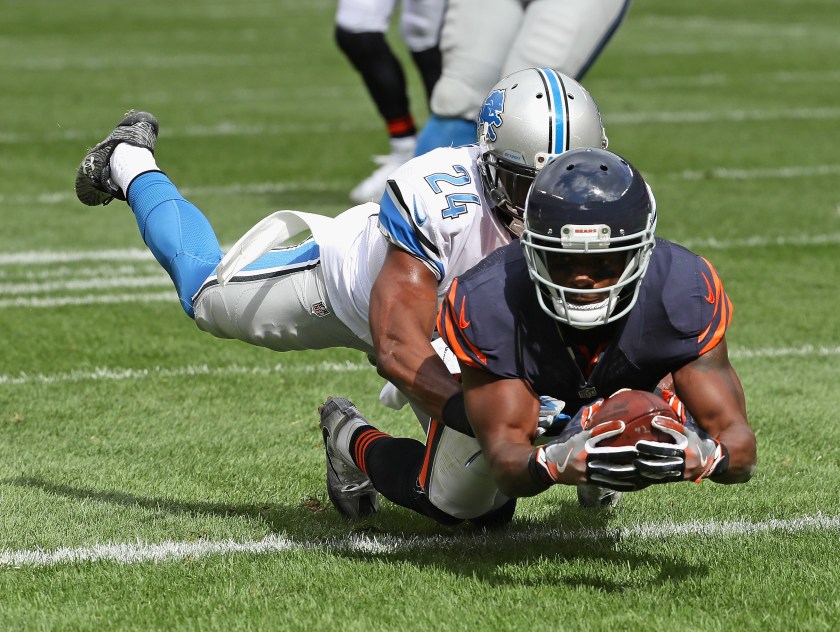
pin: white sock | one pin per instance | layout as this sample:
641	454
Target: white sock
342	441
128	162
404	146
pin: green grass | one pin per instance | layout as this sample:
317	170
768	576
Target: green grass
123	424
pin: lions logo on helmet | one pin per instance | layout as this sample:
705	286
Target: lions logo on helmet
490	116
528	118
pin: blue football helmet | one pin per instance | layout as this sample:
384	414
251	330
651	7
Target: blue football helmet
588	203
528	118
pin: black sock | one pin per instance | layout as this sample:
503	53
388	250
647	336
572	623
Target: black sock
393	465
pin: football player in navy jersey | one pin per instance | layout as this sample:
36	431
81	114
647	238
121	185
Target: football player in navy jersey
588	302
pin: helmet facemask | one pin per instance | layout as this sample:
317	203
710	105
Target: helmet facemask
507	187
559	301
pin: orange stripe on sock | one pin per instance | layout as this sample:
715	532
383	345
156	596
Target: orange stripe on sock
362	443
403	126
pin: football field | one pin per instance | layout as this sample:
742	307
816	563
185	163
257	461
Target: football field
153	477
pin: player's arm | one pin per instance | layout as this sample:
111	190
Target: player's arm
403	307
503	413
712	393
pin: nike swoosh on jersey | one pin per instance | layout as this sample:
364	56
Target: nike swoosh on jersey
420	220
710	297
462	324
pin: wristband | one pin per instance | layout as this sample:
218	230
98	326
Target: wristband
455	415
538	469
723	462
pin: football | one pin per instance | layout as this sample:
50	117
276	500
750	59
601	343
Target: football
636	409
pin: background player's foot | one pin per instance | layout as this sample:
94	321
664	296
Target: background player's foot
371	188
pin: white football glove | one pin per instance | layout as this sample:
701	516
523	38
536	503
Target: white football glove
391	397
693	454
603	466
551	420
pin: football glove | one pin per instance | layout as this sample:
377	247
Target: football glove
603	466
693	452
551	420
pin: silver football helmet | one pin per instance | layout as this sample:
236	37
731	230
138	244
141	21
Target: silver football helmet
528	118
586	205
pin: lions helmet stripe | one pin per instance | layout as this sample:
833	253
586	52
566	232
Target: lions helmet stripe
558	111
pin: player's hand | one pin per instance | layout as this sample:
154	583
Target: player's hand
391	397
579	459
694	455
552	420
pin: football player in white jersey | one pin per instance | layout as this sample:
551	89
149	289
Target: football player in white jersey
567	35
368	279
360	32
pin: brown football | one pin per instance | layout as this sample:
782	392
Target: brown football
636	409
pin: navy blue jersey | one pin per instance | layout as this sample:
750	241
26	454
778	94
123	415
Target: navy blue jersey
492	321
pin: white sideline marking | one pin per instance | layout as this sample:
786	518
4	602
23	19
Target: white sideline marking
168	551
261	188
38	257
104	373
806	350
101	373
45	257
158	280
723	173
762	242
637	118
90	299
613	118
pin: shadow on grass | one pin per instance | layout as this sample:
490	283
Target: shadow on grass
277	517
572	546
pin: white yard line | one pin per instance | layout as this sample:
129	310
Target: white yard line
88	299
170	551
227	128
157	280
262	188
117	373
125	255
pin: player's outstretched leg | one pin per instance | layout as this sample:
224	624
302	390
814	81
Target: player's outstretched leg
349	489
180	237
94	185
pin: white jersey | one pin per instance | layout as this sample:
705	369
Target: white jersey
435	209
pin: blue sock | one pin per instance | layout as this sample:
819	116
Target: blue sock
446	132
177	233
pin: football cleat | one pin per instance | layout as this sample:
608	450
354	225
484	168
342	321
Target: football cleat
372	188
594	497
350	490
93	179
